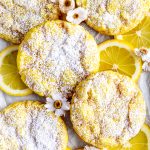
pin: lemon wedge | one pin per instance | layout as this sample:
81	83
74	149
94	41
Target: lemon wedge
119	56
10	80
140	36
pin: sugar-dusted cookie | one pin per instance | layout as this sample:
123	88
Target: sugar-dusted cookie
27	125
18	16
55	56
107	109
114	17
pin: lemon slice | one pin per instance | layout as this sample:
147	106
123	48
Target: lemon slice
119	56
140	36
10	80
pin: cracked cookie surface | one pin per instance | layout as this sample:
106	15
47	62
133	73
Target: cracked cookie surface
56	56
27	125
17	17
114	17
107	109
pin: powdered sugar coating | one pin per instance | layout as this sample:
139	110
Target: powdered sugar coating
107	109
27	125
55	56
113	16
18	16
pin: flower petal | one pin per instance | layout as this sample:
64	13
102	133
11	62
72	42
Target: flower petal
57	96
146	66
59	112
70	18
64	99
83	13
146	57
50	107
66	106
50	100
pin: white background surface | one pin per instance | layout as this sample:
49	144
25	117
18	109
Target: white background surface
74	141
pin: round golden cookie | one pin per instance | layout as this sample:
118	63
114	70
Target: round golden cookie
114	17
107	109
27	125
55	56
18	16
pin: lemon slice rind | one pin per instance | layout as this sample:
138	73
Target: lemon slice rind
5	88
146	130
127	46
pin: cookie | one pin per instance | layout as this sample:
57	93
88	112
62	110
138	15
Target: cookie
56	56
18	16
107	109
27	125
113	17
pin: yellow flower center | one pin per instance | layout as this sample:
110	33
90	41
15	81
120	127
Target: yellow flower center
67	3
75	16
57	104
143	51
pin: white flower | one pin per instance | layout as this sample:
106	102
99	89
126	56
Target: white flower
66	5
77	15
140	51
58	104
146	66
144	53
